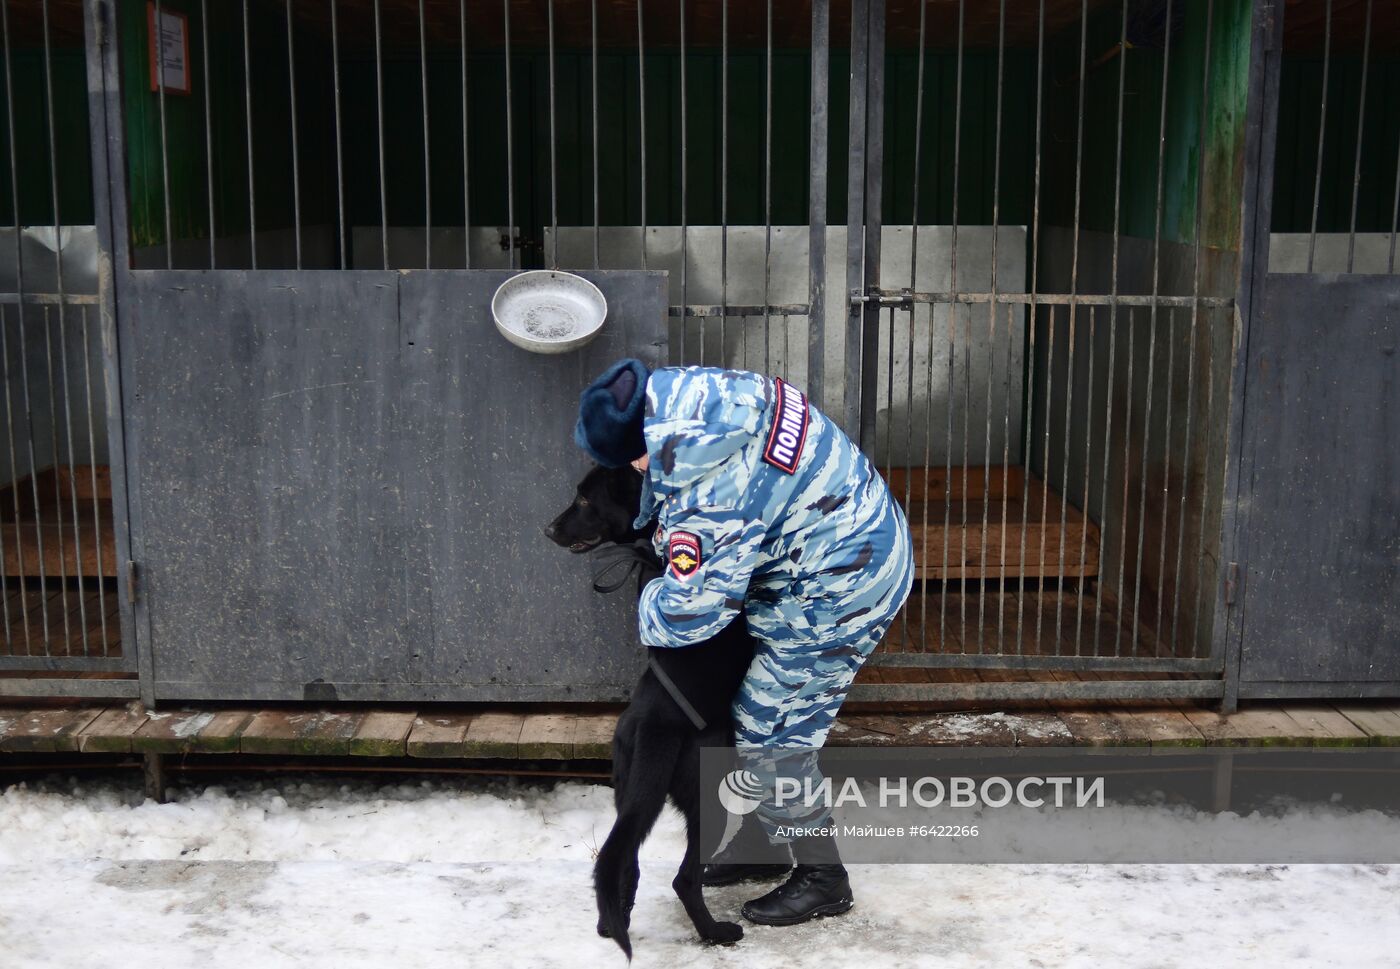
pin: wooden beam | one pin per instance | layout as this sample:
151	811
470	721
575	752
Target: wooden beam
547	737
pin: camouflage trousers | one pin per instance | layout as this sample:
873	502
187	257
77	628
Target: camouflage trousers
811	644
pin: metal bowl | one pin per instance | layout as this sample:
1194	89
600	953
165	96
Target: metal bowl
548	311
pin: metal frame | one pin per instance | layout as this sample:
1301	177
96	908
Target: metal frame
1231	626
105	145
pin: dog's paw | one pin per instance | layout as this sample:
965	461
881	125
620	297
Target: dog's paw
725	933
603	931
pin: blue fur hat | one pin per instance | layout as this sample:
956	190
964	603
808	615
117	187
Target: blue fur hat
610	410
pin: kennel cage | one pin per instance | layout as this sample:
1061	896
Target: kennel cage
1000	242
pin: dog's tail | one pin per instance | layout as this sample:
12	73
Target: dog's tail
641	784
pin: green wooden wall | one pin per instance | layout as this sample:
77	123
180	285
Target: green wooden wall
72	154
1295	166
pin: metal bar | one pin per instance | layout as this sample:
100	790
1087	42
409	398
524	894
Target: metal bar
855	213
967	351
993	661
208	131
1127	463
1394	211
720	310
817	199
510	147
1321	131
874	218
1112	335
641	120
125	689
913	283
49	299
427	151
685	185
296	155
160	101
339	147
248	118
1190	363
466	156
901	297
92	472
57	478
724	182
768	188
991	341
379	108
596	197
110	209
47	664
23	350
553	149
1039	690
1360	131
63	351
1074	286
1028	413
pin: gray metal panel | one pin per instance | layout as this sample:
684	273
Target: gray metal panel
1322	578
264	435
490	460
343	500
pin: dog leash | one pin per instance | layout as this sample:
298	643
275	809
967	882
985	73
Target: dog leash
634	557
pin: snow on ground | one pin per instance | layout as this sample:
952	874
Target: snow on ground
308	873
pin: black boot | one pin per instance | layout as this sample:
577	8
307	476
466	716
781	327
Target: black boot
760	858
818	886
811	891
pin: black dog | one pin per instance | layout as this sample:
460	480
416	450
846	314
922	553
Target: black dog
656	748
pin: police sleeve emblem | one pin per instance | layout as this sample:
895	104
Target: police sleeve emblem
683	554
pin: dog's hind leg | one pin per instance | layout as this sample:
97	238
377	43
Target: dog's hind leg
640	796
685	793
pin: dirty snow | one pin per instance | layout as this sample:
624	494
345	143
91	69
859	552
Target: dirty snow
290	871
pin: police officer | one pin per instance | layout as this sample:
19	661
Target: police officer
764	506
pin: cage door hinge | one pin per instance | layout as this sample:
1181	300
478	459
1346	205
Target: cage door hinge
131	581
1232	581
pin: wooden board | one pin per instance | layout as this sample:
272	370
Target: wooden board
307	732
439	736
111	731
1326	727
547	737
1380	724
383	733
593	736
72	523
981	539
55	729
494	735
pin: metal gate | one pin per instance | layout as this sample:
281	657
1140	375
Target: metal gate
1041	277
1314	547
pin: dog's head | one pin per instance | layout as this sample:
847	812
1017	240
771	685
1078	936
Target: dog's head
603	509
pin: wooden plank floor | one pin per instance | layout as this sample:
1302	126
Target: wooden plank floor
978	522
61	619
949	620
553	735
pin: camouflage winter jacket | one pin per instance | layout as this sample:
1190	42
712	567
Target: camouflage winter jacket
763	503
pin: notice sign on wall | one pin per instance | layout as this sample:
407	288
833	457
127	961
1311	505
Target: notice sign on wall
169	52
